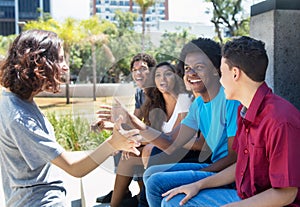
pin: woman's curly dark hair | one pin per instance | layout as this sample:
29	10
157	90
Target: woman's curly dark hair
154	107
32	64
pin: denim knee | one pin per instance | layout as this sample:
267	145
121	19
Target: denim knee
153	182
151	170
165	203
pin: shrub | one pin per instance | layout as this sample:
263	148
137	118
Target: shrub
74	133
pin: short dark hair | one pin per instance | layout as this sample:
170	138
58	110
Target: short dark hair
151	62
249	55
211	48
32	63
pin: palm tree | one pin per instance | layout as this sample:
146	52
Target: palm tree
94	34
144	6
71	35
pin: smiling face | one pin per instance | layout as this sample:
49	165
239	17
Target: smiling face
140	73
200	73
165	79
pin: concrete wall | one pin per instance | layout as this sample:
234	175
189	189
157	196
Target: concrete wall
102	90
277	23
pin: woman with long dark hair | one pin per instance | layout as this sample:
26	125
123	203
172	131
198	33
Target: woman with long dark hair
166	104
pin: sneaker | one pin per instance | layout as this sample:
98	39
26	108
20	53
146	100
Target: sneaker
130	202
107	198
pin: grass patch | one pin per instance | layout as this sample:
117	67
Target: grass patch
74	133
72	121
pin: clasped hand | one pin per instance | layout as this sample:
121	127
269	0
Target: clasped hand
124	140
107	115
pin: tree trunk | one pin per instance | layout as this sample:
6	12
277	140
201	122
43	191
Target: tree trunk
143	31
68	79
94	70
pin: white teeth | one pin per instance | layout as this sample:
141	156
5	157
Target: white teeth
195	81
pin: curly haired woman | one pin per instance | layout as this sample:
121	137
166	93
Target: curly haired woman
28	146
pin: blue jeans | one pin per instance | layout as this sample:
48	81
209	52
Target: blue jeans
163	158
159	179
214	197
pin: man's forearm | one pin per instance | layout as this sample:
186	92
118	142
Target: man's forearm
150	134
161	140
224	177
221	164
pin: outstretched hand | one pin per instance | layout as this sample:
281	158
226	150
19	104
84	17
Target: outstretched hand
189	190
104	119
130	119
121	142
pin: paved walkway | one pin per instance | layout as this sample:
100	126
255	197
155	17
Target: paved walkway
98	182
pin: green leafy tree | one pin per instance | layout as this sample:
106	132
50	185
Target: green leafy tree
125	22
5	42
171	45
76	60
144	6
229	15
124	44
49	24
95	35
71	35
68	33
80	61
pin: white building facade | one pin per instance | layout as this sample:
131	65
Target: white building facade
105	9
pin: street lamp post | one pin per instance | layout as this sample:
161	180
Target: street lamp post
42	9
17	17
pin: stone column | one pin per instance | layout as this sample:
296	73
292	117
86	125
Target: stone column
277	23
